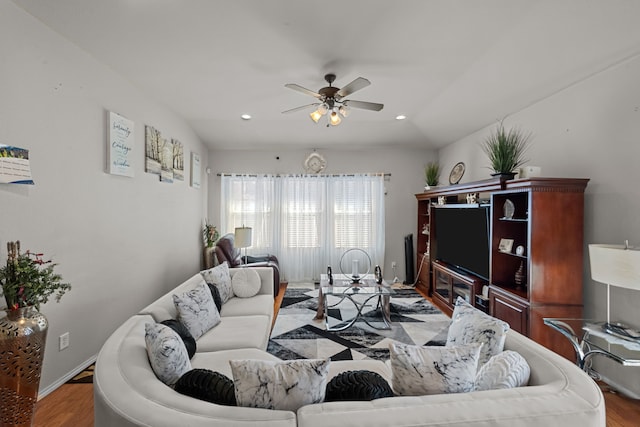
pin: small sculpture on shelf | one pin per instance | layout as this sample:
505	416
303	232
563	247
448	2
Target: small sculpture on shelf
519	276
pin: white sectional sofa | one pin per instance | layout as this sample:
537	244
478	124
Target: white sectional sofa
127	392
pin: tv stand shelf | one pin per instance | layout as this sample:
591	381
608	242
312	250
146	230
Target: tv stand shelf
451	283
543	216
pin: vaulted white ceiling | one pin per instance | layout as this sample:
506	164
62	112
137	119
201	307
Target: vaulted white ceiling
451	66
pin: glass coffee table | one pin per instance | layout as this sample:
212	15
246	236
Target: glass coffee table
589	338
359	294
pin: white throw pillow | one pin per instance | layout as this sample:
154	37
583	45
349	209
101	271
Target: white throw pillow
220	277
419	370
470	325
167	354
246	283
505	370
196	310
285	385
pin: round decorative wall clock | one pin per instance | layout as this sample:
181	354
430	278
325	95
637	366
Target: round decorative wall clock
456	173
315	163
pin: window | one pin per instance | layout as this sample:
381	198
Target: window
308	221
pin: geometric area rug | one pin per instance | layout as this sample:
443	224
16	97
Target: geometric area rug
296	335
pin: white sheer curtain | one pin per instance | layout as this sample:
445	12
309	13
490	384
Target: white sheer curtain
307	221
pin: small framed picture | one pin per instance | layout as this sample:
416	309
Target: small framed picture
505	245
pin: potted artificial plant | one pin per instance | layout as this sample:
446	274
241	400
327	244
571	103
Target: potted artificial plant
210	235
431	174
506	149
26	282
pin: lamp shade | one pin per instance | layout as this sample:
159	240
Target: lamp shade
615	265
242	237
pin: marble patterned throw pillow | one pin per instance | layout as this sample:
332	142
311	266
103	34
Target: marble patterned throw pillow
184	334
220	277
196	310
167	354
286	385
246	283
417	371
469	325
505	370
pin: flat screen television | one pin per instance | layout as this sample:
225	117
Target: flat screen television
462	238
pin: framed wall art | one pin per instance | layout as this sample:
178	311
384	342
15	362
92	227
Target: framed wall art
195	170
120	145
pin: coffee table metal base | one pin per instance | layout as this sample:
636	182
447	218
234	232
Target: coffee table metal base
383	305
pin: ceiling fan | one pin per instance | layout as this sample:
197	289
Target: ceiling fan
332	100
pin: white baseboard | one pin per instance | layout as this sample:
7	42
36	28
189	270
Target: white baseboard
42	393
618	388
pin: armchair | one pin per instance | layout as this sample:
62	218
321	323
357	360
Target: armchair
225	250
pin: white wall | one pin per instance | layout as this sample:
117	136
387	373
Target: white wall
407	178
590	130
120	242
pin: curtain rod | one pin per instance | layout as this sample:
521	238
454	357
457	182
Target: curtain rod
295	175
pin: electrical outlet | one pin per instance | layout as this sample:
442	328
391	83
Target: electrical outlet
393	264
63	341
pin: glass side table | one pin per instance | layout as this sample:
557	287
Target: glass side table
588	339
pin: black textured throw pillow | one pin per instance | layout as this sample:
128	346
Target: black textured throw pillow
357	385
215	293
207	385
187	338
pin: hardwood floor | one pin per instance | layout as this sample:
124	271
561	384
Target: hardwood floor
72	404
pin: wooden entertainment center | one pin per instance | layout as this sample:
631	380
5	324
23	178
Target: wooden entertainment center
535	233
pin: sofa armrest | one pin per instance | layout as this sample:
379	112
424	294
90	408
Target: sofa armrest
266	278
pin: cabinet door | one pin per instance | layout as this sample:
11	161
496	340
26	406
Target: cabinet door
512	311
425	274
462	289
441	284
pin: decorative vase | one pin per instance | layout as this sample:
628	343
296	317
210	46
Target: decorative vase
519	277
23	334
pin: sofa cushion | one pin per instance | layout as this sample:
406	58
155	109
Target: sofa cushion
237	332
469	325
433	370
245	283
259	304
196	310
357	385
220	277
184	334
286	385
167	354
505	370
205	384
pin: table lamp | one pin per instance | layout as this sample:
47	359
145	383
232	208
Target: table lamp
242	240
616	265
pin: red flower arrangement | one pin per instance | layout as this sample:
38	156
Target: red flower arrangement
28	279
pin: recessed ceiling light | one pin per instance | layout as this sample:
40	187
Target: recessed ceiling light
246	117
401	117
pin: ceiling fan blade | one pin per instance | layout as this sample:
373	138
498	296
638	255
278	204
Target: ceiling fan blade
355	85
364	105
303	90
315	104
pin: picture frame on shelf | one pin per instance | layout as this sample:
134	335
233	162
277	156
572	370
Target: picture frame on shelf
506	245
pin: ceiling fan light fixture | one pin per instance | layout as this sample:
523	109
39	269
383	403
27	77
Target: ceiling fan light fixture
322	109
334	119
344	110
315	116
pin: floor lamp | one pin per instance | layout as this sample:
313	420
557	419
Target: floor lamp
615	265
243	240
